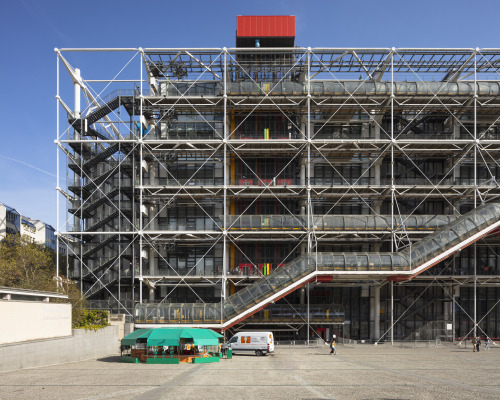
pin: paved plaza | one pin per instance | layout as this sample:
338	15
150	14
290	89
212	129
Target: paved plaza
361	372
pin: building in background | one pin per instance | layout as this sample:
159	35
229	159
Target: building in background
28	230
45	233
275	186
12	222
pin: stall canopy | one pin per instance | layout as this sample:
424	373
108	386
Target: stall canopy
172	337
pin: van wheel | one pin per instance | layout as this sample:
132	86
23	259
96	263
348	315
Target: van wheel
258	353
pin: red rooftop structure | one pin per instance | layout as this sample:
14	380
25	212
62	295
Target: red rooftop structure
265	30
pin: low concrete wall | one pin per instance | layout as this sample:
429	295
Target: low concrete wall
128	328
119	321
32	320
82	345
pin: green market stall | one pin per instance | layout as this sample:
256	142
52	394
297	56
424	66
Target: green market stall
171	346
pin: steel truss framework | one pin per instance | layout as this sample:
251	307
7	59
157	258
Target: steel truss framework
188	162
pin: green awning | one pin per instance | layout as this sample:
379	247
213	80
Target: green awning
172	337
164	337
131	338
205	337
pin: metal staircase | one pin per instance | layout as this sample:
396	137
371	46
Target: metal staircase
102	221
102	111
94	246
103	155
102	263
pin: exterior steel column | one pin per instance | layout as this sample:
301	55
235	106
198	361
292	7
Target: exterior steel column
308	177
57	174
77	112
225	182
475	189
376	301
393	142
119	305
454	295
392	313
371	322
140	192
392	187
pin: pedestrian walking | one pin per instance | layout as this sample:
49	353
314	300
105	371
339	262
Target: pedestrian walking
487	343
478	344
332	347
474	343
225	346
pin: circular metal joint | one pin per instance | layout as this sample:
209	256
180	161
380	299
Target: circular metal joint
393	49
225	96
224	49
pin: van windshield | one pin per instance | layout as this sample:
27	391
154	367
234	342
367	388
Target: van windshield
234	339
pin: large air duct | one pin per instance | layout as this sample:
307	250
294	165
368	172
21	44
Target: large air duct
333	88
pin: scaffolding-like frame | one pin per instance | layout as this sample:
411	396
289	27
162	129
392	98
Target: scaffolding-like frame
371	95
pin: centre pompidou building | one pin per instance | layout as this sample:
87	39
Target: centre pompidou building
307	190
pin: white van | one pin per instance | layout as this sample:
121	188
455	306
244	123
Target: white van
259	342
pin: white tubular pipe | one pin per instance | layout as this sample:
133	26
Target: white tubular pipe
78	90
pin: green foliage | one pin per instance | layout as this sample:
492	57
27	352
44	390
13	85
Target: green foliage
91	319
28	265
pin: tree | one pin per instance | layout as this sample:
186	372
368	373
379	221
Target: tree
28	265
25	264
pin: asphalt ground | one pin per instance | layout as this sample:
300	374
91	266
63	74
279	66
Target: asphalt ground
361	372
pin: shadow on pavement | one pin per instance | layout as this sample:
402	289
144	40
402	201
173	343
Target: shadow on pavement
110	359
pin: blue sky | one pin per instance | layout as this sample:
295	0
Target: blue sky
30	29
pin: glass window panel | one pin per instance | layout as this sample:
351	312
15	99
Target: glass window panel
339	261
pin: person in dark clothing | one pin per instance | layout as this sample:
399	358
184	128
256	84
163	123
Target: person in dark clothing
478	343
